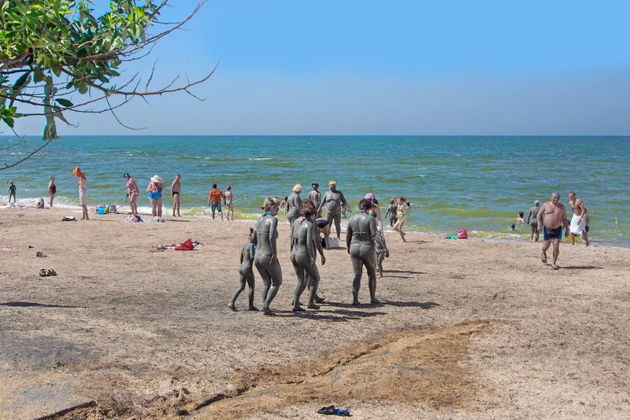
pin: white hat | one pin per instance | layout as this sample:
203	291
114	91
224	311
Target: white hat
156	178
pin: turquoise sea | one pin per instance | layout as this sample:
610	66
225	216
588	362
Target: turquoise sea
473	182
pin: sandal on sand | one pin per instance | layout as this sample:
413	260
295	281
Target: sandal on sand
51	272
554	267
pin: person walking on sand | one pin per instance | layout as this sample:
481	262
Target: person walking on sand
132	193
551	217
294	204
266	258
333	201
229	203
246	272
12	191
402	208
154	193
176	190
532	221
214	200
52	190
360	234
391	213
579	220
82	184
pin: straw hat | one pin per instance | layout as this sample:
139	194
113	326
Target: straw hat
331	183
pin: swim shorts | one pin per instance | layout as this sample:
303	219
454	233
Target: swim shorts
215	207
552	233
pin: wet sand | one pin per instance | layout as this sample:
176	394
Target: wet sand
467	328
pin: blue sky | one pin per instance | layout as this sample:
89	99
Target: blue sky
396	67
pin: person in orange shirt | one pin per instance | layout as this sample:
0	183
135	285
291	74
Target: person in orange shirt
214	200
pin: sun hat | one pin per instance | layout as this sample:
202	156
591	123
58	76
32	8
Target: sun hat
332	182
370	196
156	178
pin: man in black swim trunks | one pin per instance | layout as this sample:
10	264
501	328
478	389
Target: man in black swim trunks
551	217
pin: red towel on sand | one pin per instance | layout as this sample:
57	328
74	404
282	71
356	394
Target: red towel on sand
187	245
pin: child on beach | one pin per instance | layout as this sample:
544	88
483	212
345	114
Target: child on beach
246	272
519	220
381	249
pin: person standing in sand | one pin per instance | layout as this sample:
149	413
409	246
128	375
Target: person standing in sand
82	184
176	190
314	196
551	217
532	221
229	203
214	200
579	220
266	259
132	193
294	204
12	191
360	235
402	208
246	272
333	201
154	193
391	213
52	190
304	243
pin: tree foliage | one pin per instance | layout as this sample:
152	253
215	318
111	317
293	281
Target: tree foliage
53	51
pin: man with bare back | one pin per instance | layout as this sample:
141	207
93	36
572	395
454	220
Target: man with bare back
579	220
551	217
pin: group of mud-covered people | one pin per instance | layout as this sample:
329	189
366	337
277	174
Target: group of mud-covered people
365	243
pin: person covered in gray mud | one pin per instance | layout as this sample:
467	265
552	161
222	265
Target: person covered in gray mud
391	213
294	204
333	201
532	221
381	249
304	242
266	256
360	235
314	196
246	272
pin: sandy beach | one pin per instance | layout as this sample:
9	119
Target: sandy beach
466	329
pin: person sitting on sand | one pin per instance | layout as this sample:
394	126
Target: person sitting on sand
246	272
132	193
82	184
52	190
402	208
154	193
176	190
40	204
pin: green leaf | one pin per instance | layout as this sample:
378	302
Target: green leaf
64	102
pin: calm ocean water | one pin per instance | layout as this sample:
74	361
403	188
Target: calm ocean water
475	182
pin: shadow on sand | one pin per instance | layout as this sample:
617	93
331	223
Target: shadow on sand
35	304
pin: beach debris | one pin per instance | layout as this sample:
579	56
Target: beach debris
8	248
332	410
40	254
47	272
69	219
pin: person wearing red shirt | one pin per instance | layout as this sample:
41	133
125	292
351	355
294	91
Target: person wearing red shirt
214	200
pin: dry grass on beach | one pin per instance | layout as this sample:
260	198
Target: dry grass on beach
467	329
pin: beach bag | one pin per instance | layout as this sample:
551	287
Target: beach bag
462	234
101	210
